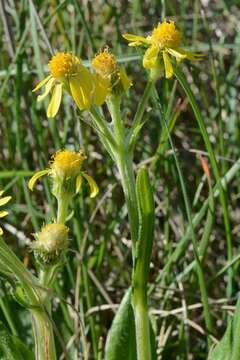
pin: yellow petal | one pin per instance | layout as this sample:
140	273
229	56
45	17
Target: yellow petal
190	55
82	87
78	183
48	87
135	40
1	231
167	65
55	102
150	57
36	176
77	94
42	83
93	186
176	54
3	213
1	192
126	82
5	200
101	89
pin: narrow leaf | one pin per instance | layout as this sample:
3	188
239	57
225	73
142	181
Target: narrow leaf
146	224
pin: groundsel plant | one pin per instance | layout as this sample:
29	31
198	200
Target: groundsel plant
162	48
105	82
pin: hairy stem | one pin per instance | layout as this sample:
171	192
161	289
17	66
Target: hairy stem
140	309
43	336
124	163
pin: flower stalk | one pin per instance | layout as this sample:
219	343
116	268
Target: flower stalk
43	336
141	262
140	308
124	163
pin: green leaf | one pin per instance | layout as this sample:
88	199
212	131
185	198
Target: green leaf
146	212
229	346
146	224
11	347
121	342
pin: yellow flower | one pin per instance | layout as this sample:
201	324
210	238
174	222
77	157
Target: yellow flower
50	242
67	164
67	71
66	169
164	42
106	67
3	201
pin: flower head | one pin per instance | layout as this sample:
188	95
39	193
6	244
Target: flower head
67	72
66	164
166	35
66	173
63	65
50	242
106	67
164	42
3	201
105	63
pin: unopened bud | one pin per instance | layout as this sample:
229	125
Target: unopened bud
50	242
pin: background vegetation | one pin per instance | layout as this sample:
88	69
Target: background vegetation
94	279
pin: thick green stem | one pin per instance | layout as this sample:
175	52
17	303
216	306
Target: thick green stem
125	167
42	325
140	276
139	302
140	309
43	336
124	163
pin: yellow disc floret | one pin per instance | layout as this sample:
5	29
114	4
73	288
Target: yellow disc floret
166	35
67	164
63	65
105	63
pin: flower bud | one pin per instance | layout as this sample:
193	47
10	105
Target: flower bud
105	63
50	242
106	66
